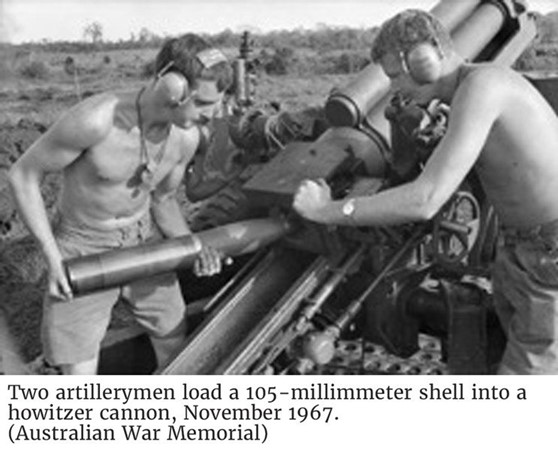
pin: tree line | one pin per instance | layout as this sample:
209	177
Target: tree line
322	38
324	49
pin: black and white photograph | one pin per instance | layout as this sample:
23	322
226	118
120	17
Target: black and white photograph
344	191
269	187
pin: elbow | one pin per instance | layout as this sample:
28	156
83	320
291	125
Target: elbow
428	202
427	212
201	191
22	178
24	182
16	178
193	192
194	196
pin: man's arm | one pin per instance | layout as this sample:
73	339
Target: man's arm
61	145
168	216
474	111
164	206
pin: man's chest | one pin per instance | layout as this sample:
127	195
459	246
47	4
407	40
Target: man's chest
119	156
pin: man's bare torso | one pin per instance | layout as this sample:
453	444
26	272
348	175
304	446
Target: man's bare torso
101	187
518	165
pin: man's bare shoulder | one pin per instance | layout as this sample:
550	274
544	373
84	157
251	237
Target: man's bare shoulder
489	77
89	121
485	87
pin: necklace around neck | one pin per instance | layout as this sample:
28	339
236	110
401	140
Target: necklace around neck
145	172
462	72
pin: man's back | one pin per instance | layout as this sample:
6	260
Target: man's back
518	165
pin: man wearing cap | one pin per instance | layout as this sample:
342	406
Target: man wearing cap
503	127
122	156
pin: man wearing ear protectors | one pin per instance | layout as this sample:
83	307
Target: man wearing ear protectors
122	156
500	125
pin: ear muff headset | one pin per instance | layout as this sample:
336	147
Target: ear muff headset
423	63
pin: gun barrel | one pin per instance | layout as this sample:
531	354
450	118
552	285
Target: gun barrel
474	34
473	25
347	106
471	38
451	13
118	267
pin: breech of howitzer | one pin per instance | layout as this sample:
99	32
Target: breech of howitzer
118	267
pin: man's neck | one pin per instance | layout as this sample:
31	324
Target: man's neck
450	82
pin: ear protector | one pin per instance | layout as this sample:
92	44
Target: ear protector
174	87
423	63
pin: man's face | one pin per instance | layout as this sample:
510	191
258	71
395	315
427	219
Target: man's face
198	105
402	83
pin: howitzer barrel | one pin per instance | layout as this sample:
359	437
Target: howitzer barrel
347	106
118	267
472	36
453	12
470	39
472	24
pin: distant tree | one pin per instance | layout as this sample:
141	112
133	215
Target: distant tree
224	39
542	53
35	70
279	62
145	35
69	65
548	28
93	32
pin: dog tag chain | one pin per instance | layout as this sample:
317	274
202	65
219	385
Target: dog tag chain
145	172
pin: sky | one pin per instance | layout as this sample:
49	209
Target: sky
38	20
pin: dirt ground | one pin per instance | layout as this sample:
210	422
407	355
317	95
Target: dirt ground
21	267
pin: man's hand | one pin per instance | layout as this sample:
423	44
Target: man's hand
311	198
58	284
209	262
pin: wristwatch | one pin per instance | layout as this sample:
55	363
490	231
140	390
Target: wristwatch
348	210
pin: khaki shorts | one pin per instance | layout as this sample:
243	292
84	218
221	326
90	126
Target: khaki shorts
72	331
525	296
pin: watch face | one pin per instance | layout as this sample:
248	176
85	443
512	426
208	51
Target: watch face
349	208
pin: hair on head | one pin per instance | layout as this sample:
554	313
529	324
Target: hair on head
188	55
406	30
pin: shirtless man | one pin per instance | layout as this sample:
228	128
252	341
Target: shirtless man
123	156
504	128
